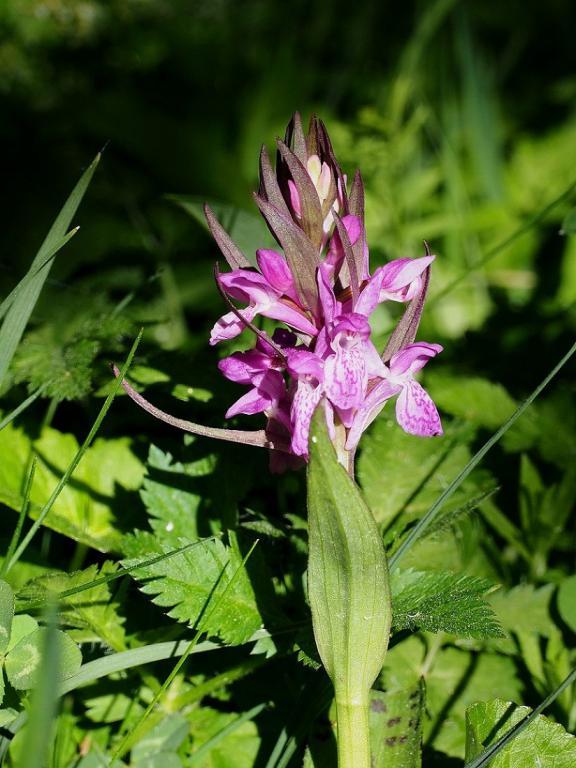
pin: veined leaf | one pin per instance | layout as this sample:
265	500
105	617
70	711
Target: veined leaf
84	509
191	582
91	612
396	727
543	743
443	602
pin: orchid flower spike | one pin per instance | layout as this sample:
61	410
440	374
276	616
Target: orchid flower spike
316	284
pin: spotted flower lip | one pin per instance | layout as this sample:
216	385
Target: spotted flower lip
317	284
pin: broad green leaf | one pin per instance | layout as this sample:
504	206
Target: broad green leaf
454	679
569	223
160	760
22	626
191	582
172	495
402	475
6	615
24	662
235	748
443	602
348	584
567	602
474	400
525	609
111	707
25	299
91	612
164	737
86	509
396	728
544	743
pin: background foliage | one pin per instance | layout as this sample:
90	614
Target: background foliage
461	117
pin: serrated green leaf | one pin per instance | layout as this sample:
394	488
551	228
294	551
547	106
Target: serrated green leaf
544	743
6	614
191	582
443	602
92	610
84	509
24	660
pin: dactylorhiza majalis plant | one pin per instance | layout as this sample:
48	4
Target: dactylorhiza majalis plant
319	381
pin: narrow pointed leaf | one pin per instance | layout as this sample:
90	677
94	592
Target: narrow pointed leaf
230	250
354	268
406	330
295	138
301	255
25	300
309	200
269	188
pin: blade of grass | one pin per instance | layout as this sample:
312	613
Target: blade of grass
21	517
431	514
24	302
134	733
44	702
34	270
491	752
20	408
226	731
77	458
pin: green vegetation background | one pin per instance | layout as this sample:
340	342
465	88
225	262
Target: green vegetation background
461	116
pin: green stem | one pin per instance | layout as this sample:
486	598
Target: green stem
352	718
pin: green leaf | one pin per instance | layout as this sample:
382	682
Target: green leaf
472	399
443	602
91	611
164	737
347	573
402	475
396	727
569	223
22	626
226	739
525	608
170	493
567	602
6	615
25	299
84	510
23	663
191	582
544	743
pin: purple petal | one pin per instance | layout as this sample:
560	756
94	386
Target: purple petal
229	325
370	408
249	404
243	366
401	279
413	358
370	295
327	299
276	271
301	362
291	315
346	377
416	412
248	286
306	398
